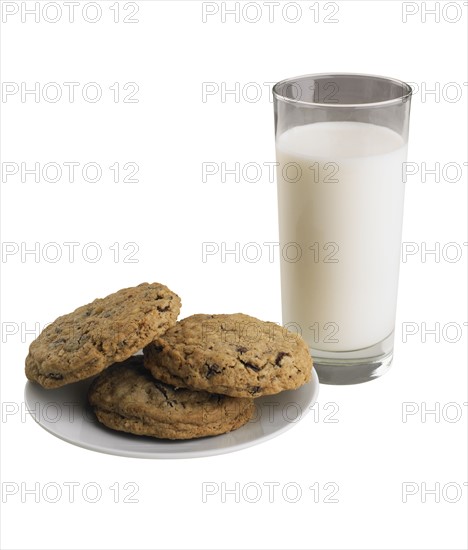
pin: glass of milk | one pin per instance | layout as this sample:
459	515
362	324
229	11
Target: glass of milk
341	141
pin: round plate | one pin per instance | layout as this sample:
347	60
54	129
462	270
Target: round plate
64	412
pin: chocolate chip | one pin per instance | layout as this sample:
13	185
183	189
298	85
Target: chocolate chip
254	389
248	365
252	367
55	375
280	356
211	370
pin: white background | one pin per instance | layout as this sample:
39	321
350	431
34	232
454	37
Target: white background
369	451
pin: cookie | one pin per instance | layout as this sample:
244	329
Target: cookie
235	355
126	397
85	342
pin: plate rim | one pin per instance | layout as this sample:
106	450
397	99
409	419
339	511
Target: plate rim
177	455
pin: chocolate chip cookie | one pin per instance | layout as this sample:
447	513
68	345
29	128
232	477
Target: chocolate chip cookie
85	342
235	355
127	398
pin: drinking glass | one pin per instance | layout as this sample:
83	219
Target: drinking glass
341	141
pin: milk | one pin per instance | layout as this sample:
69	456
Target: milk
342	289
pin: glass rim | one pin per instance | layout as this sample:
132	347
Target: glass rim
407	91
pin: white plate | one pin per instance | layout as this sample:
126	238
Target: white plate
64	413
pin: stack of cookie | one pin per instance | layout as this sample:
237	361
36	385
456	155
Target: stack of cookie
198	377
